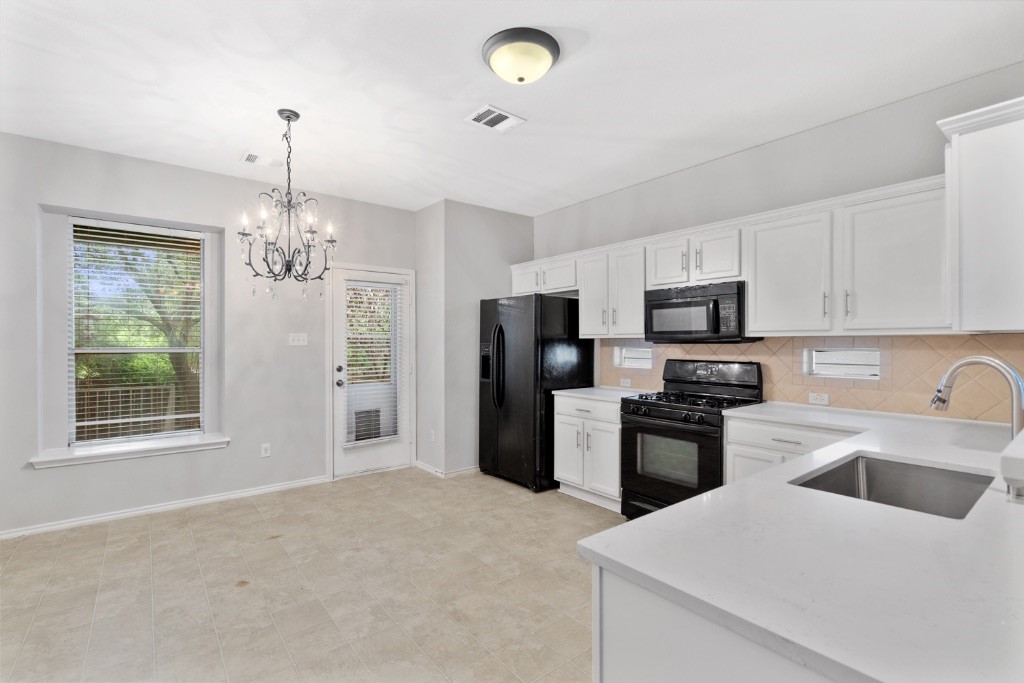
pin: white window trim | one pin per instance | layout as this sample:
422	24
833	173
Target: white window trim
161	444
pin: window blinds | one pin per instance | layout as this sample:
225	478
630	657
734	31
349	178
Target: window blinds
375	347
135	331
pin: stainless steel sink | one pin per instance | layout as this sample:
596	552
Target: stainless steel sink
933	490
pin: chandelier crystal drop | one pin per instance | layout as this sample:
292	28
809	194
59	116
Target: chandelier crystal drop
286	243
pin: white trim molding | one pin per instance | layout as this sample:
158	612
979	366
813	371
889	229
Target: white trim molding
161	507
79	454
1004	112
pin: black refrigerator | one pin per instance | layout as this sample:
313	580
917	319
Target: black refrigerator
529	346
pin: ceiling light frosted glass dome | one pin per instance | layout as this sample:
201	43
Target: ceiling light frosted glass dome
520	55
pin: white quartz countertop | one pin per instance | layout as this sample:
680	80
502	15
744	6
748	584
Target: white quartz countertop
853	589
609	394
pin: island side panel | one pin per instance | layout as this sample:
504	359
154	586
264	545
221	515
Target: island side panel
639	636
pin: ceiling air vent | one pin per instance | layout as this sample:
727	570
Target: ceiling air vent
253	158
495	119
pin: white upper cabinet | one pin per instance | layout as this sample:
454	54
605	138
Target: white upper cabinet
558	276
716	255
985	177
593	279
668	263
626	292
790	275
612	294
544	276
896	264
525	279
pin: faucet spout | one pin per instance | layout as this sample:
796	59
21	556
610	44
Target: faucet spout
1012	465
941	399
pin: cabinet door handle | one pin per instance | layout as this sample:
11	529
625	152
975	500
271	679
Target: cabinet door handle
544	277
686	259
536	279
579	441
824	304
604	316
847	303
700	260
615	317
588	441
582	410
795	443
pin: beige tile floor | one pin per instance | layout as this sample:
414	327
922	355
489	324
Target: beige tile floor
398	576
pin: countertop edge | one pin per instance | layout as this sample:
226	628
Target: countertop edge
801	654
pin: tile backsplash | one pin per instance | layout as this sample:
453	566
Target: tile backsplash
910	370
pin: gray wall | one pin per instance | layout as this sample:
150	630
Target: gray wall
261	372
887	145
480	244
430	293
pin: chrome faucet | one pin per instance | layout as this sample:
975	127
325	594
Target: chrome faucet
1012	466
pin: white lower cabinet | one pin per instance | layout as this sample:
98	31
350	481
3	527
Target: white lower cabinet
754	445
587	451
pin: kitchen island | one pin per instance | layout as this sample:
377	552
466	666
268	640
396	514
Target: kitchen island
765	580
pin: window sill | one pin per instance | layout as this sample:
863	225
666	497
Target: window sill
77	455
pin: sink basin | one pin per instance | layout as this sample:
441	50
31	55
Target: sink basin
933	490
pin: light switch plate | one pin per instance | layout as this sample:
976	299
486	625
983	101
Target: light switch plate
817	399
297	339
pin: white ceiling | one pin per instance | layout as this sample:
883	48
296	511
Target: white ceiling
642	88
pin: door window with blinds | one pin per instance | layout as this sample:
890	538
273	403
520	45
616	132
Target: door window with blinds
135	359
375	351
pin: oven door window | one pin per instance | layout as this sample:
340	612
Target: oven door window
669	460
682	318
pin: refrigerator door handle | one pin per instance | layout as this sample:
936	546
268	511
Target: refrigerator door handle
500	374
494	364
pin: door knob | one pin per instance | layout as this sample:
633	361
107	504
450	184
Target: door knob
340	368
340	383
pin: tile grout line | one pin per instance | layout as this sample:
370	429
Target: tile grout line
262	597
35	612
363	586
152	593
21	539
95	602
206	592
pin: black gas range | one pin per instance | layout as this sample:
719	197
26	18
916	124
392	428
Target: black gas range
672	441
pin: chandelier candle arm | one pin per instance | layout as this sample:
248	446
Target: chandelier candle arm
293	218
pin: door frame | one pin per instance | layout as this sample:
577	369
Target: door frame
329	351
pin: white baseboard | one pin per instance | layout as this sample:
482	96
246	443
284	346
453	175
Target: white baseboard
373	471
160	507
444	475
590	497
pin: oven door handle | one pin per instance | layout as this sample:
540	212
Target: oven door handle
672	424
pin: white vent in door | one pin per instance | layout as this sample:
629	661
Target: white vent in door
260	160
495	119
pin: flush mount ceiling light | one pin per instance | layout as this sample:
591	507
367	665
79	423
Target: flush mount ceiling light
520	55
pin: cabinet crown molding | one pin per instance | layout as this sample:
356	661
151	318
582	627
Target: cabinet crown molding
1004	112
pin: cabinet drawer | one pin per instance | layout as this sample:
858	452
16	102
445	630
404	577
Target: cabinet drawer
587	409
782	437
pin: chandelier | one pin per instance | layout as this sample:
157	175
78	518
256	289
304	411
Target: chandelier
286	243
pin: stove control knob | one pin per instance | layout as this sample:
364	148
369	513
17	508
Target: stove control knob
686	417
644	410
698	419
632	409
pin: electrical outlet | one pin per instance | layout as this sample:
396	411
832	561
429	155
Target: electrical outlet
817	399
625	382
265	450
298	339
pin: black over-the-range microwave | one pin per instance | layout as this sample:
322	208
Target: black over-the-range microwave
703	313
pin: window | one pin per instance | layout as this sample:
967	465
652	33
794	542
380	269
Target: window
135	357
843	363
374	339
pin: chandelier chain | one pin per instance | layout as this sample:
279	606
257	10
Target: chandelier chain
287	137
